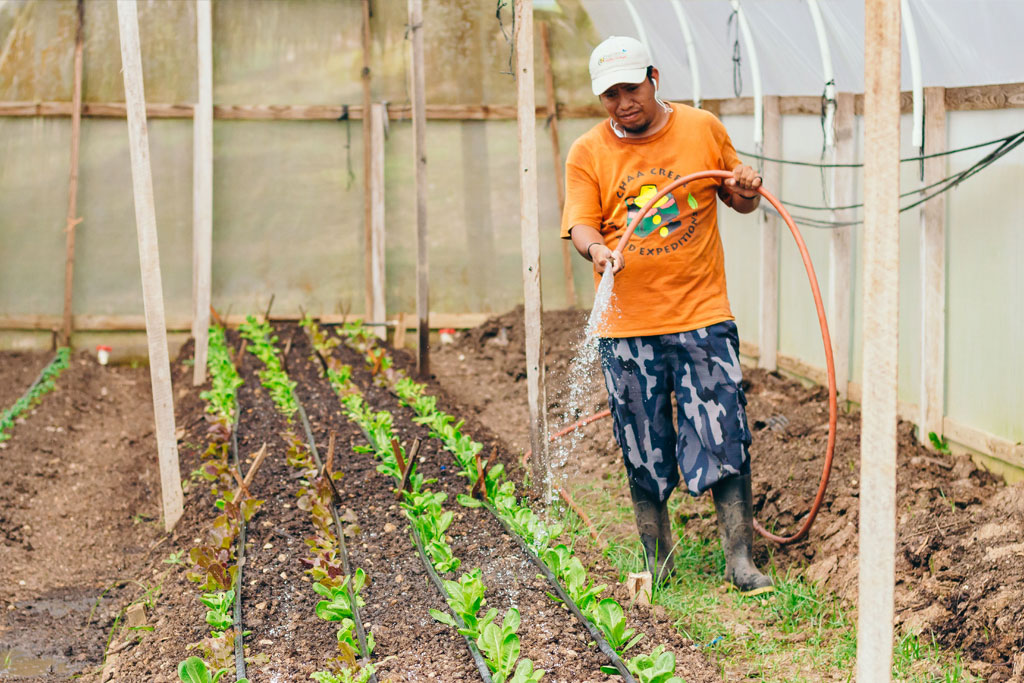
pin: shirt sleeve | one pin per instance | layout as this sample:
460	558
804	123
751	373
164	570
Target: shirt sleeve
730	159
582	191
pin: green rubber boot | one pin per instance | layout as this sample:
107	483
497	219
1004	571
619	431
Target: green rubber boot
733	504
655	532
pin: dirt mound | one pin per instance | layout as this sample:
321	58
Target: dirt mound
960	574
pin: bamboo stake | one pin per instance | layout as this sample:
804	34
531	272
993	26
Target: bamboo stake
556	153
202	192
149	258
530	233
419	126
877	532
72	220
840	254
367	167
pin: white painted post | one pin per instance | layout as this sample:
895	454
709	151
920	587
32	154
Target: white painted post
419	143
202	192
379	313
877	532
530	231
933	271
840	250
768	293
149	260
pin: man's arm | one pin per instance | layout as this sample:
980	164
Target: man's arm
740	191
590	244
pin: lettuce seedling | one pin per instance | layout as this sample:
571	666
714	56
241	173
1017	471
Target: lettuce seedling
193	670
609	617
337	606
466	598
657	667
219	615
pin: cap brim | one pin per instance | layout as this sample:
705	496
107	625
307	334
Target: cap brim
602	83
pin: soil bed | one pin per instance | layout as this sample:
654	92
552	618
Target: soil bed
551	637
959	570
18	369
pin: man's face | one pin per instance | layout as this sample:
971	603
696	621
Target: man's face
632	105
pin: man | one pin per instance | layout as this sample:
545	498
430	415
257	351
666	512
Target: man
672	330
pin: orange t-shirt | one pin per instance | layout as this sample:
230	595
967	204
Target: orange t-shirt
674	279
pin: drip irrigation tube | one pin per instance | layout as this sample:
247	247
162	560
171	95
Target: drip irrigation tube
342	550
239	559
602	644
481	665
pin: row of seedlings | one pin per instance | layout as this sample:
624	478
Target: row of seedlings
44	384
216	562
495	646
604	617
327	564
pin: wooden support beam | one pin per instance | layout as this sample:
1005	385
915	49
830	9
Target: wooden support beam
933	271
367	165
377	269
556	155
71	221
149	258
419	151
202	191
840	249
768	292
973	98
877	531
530	233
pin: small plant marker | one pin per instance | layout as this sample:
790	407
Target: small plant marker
481	470
399	340
136	615
640	586
329	462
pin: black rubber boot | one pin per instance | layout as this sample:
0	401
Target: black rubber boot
655	532
736	527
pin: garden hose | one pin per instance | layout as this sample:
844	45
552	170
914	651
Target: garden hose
833	409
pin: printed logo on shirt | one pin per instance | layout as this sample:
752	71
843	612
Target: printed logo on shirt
665	216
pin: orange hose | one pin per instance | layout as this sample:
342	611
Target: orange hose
833	408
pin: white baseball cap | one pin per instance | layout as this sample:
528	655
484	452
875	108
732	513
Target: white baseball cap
618	59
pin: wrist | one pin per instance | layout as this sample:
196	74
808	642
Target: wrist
589	247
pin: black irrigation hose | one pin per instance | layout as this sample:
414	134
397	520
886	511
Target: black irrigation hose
602	644
342	550
481	665
239	558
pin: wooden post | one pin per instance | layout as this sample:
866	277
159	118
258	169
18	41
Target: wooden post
877	533
202	192
419	142
72	219
530	230
377	270
840	251
556	154
367	169
768	294
933	271
149	260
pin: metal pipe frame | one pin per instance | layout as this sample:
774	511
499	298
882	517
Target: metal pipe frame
755	72
691	50
828	72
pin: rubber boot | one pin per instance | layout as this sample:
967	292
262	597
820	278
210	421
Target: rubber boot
655	532
733	505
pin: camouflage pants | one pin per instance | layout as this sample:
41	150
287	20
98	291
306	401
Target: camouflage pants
702	367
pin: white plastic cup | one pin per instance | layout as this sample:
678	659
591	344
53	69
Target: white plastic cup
103	354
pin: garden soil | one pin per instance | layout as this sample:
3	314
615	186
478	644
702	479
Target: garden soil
960	535
18	369
79	511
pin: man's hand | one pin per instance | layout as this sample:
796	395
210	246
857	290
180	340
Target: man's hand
601	255
740	191
744	182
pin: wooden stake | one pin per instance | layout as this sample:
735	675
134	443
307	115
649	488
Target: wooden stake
377	269
419	127
877	532
840	253
399	340
367	167
407	470
933	271
72	219
270	305
149	258
641	584
556	153
261	455
396	448
530	233
768	294
329	462
202	192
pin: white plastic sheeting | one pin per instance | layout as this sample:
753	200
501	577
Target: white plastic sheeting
962	43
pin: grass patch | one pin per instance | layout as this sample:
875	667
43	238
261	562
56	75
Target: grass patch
798	633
